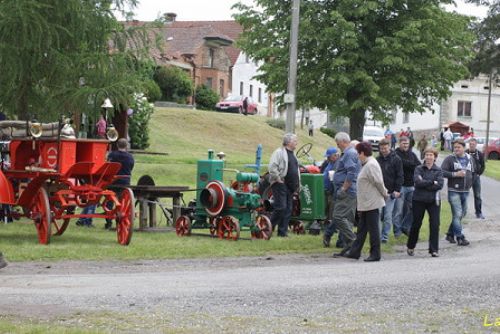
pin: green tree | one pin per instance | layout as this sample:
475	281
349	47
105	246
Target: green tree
206	98
67	56
356	55
487	45
175	84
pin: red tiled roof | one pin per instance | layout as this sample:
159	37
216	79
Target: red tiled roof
187	36
231	29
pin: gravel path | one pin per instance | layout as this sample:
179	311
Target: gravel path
283	294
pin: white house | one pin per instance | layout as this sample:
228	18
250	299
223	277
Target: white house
244	84
468	104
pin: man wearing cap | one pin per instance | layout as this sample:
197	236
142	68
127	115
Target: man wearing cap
328	171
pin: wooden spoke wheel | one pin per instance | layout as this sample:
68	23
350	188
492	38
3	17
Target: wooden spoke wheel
183	226
40	213
125	217
297	227
264	228
228	228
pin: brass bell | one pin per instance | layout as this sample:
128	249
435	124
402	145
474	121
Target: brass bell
112	134
35	129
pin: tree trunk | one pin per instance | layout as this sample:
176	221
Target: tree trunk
356	124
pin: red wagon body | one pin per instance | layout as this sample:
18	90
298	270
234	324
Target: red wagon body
50	177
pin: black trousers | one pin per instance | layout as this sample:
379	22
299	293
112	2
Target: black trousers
368	223
419	209
282	205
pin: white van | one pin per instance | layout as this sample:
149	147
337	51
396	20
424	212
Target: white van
374	135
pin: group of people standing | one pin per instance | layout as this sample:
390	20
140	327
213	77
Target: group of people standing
392	191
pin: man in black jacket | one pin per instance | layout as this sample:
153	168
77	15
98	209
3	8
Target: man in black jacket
392	170
476	175
403	214
458	169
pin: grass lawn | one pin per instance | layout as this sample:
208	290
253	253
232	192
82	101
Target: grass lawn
185	135
493	169
19	243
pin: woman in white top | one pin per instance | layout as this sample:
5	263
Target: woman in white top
371	197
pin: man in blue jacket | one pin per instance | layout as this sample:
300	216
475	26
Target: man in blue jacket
345	186
328	172
458	169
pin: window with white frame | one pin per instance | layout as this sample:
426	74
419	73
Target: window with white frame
241	88
251	91
464	109
260	95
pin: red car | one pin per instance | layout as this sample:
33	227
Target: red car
234	103
493	149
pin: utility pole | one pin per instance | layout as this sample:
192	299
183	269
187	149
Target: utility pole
290	97
488	117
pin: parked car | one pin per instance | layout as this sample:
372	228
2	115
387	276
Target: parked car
480	142
374	135
234	103
493	149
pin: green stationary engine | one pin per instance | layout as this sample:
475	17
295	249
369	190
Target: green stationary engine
222	209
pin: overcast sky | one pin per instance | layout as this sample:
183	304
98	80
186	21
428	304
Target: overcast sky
207	10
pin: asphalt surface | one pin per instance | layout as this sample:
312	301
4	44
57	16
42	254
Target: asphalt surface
459	292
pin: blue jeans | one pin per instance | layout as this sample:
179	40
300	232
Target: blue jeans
403	214
387	218
458	204
88	210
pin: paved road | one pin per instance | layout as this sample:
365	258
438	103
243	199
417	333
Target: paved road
456	293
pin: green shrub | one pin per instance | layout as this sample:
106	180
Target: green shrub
278	123
138	122
152	91
328	131
206	98
175	84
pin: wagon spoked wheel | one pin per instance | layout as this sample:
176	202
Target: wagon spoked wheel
125	217
228	228
264	226
58	227
304	150
183	226
40	213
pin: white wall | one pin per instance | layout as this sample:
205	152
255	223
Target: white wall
244	71
474	91
417	122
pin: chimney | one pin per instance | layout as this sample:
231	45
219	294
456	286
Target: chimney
169	17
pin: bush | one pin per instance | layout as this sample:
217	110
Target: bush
152	91
328	132
138	122
206	98
175	84
278	123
